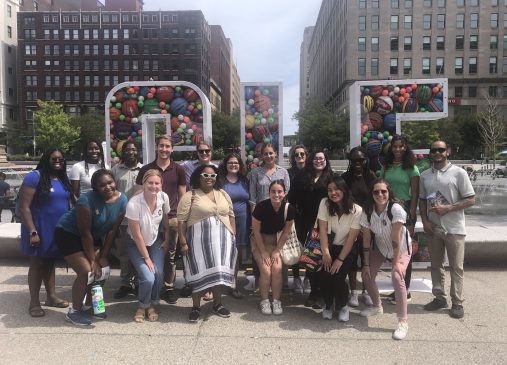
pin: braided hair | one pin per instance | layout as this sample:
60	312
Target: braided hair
101	158
45	171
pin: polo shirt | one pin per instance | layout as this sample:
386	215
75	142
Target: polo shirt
138	210
172	178
453	183
340	226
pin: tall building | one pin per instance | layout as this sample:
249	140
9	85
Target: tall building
76	57
464	41
44	5
235	84
8	43
221	65
304	76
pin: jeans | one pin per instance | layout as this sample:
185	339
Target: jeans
170	257
149	283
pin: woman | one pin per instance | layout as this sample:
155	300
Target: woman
271	217
146	246
206	229
337	214
309	187
45	195
297	159
232	175
81	172
385	218
403	176
99	213
358	178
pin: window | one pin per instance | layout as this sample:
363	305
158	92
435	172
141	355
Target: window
440	43
460	42
408	4
9	32
460	21
31	80
493	41
30	49
472	91
505	20
106	33
374	44
394	43
427	3
125	33
126	49
426	63
458	91
9	11
47	50
427	21
472	65
66	34
374	66
361	67
492	91
439	65
374	4
473	41
56	34
474	3
95	49
86	49
362	4
374	22
407	24
505	41
492	65
362	23
504	65
106	49
29	33
493	20
361	46
95	33
395	4
474	20
441	21
393	69
458	65
394	22
426	43
407	66
407	43
441	3
494	2
47	34
115	49
115	33
460	3
504	91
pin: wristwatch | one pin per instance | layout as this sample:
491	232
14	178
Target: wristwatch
34	233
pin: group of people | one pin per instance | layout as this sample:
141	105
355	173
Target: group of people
204	212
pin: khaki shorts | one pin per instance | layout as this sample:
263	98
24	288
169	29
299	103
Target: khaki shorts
270	242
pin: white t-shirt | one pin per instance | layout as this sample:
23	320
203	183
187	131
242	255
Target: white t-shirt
381	226
341	227
138	210
78	173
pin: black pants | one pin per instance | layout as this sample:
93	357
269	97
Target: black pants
334	287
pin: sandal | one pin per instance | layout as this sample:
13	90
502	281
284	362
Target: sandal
60	303
36	312
152	314
139	316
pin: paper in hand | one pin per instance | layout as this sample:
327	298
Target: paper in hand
106	272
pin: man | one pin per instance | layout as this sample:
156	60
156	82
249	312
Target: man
445	193
4	194
174	185
125	174
204	153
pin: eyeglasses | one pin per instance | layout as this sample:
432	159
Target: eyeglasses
319	159
232	163
438	150
57	159
208	176
300	154
204	152
378	192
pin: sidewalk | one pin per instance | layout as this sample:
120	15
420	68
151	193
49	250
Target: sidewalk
298	336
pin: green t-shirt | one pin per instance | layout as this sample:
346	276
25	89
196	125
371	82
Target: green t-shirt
400	180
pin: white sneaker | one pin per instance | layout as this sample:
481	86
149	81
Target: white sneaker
327	313
401	332
343	314
266	307
277	307
367	300
354	299
306	286
372	311
298	285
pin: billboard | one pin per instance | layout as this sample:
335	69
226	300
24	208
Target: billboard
261	119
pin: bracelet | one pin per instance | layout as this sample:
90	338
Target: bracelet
339	259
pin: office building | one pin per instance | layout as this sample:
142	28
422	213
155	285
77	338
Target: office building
304	76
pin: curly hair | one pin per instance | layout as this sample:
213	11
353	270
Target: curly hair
45	170
97	175
346	206
222	168
101	157
124	149
195	178
408	157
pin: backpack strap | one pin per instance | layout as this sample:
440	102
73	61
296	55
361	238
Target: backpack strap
390	216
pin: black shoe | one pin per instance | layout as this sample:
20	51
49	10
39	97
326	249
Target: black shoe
313	303
194	315
122	292
221	311
435	304
170	296
186	291
457	311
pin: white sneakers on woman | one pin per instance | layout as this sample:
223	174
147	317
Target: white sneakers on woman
268	308
343	314
401	331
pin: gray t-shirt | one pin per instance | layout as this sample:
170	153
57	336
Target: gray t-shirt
446	186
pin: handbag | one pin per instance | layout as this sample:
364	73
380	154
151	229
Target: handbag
311	257
291	249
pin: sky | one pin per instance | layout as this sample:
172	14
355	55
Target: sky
266	36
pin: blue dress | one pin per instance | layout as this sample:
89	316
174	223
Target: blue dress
46	210
240	196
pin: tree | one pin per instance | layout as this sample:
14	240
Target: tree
491	127
321	128
91	126
226	130
420	133
52	126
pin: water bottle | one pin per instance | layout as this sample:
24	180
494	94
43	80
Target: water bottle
98	304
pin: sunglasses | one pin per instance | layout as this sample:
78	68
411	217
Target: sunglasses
204	152
300	154
378	192
208	176
439	150
57	159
